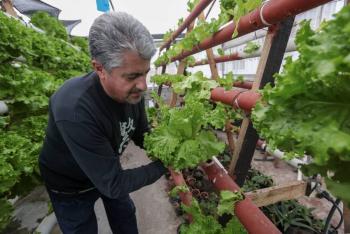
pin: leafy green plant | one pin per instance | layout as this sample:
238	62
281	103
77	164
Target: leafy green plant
167	35
184	138
191	4
50	25
167	78
82	43
5	214
32	66
307	112
178	189
285	214
289	214
228	80
220	52
241	8
251	47
227	202
256	180
208	224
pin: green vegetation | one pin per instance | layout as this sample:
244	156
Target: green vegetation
208	224
183	136
32	67
308	111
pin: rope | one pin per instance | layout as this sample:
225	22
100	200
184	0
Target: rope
261	15
235	98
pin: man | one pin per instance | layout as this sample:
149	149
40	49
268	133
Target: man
91	120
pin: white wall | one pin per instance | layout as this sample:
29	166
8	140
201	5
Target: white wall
248	67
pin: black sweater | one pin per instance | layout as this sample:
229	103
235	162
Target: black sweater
86	133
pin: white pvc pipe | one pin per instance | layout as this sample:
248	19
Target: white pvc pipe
3	108
47	224
279	154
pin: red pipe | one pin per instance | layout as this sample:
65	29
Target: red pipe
221	59
238	99
186	197
273	12
243	84
192	16
252	218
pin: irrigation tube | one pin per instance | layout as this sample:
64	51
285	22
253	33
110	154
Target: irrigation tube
280	154
271	12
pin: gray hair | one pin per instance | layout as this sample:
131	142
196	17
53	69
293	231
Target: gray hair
114	33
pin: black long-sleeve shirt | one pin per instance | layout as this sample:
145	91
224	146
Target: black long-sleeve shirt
86	133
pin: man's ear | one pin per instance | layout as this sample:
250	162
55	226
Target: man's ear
98	68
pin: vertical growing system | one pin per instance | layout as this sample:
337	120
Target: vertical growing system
304	110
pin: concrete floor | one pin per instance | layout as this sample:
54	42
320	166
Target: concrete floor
155	215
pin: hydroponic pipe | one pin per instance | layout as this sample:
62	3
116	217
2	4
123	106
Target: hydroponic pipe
192	16
243	84
271	12
221	59
252	218
186	197
238	99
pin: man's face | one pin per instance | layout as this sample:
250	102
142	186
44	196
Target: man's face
128	82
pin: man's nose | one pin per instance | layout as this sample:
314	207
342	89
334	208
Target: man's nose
142	83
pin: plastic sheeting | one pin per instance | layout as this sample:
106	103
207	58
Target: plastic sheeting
29	7
70	24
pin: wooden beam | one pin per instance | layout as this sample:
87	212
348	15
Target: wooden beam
210	56
270	61
271	195
7	6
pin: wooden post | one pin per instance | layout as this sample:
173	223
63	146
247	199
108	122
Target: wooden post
210	56
161	85
270	61
7	6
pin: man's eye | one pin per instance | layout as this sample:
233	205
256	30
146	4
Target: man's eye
133	77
